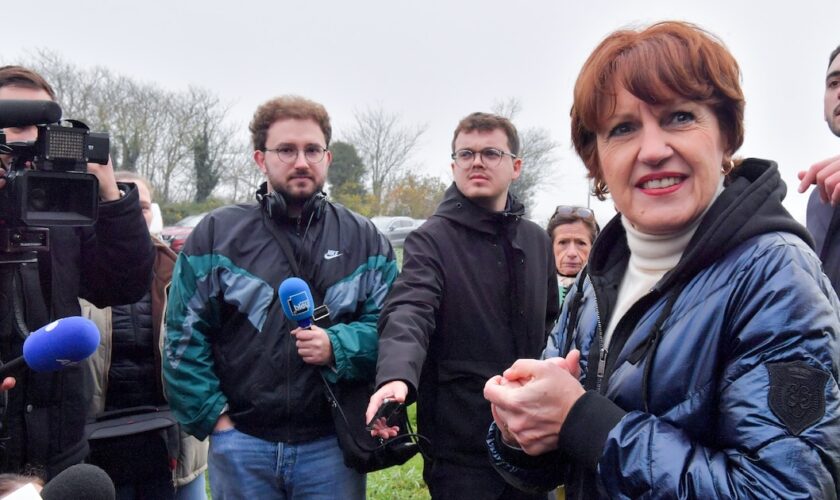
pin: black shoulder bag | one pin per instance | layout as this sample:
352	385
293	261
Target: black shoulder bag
137	443
348	401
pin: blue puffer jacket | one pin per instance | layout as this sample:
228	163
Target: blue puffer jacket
720	383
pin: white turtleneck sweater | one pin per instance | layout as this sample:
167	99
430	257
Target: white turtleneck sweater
651	256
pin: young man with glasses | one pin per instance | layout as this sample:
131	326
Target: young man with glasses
235	368
572	231
477	291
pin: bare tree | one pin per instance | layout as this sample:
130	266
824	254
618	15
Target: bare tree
138	117
385	145
241	177
210	140
169	154
180	141
538	152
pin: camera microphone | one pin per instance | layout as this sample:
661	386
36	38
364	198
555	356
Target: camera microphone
23	113
80	481
50	348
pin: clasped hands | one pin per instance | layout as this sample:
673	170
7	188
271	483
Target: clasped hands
531	400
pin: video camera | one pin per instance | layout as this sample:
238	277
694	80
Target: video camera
47	183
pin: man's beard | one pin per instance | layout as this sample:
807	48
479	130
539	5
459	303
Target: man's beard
296	199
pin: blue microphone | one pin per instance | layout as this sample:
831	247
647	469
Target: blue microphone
296	299
52	347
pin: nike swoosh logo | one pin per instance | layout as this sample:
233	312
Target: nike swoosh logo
332	254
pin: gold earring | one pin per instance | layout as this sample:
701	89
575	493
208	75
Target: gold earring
726	171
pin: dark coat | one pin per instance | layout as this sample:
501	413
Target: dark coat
107	264
477	291
720	383
824	224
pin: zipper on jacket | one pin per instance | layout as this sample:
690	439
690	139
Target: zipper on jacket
623	330
602	349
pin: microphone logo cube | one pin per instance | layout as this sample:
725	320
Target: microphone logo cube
299	303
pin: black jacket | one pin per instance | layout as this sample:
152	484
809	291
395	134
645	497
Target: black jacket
107	264
478	290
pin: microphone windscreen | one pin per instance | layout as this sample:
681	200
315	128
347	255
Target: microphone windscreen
22	113
60	343
80	481
296	300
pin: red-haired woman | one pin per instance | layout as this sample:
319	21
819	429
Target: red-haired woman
700	354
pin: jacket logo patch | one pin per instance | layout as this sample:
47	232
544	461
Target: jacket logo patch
797	394
331	254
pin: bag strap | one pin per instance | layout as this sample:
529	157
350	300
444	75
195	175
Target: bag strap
285	246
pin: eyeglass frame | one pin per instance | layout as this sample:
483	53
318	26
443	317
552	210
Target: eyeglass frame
502	154
298	152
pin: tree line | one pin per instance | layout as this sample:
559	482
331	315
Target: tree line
195	156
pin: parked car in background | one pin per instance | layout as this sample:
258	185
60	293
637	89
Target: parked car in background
176	235
396	228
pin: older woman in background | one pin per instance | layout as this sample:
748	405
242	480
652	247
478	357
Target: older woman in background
572	231
701	351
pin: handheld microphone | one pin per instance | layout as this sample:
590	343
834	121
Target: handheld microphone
296	300
22	113
80	481
63	342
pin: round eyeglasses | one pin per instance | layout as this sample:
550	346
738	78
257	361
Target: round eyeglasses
490	157
312	153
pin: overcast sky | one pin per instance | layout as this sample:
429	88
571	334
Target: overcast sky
436	61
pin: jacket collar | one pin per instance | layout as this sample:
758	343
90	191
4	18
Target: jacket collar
461	210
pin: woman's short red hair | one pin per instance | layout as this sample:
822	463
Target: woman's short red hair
656	64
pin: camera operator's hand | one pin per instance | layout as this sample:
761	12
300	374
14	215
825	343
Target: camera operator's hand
108	190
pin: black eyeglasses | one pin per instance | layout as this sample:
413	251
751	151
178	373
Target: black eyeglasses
286	153
490	157
572	211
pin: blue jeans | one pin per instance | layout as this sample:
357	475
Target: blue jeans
194	490
246	467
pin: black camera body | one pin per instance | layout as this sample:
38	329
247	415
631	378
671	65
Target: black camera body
47	183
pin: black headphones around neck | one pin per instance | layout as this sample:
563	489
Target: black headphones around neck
276	205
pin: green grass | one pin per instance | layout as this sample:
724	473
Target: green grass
399	253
